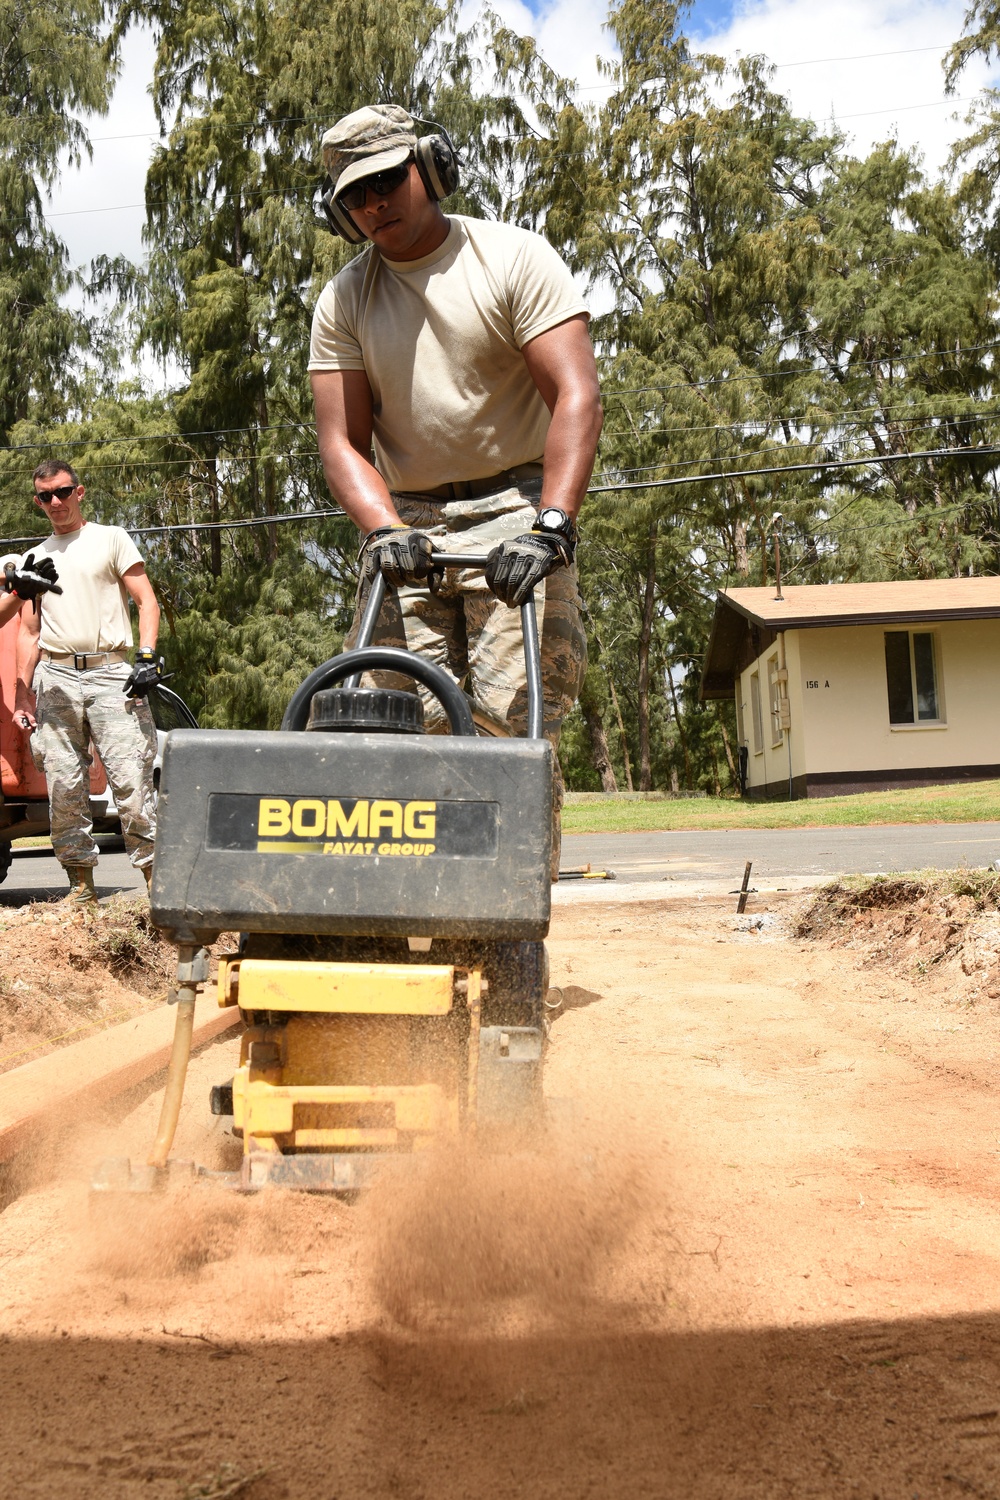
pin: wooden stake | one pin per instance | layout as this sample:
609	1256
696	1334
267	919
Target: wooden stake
742	903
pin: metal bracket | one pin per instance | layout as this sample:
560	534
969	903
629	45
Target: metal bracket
192	965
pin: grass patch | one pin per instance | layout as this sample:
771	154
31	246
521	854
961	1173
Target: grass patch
123	938
974	802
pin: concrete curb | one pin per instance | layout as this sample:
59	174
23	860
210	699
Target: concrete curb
678	888
56	1088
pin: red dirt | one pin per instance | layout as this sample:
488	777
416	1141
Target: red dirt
759	1259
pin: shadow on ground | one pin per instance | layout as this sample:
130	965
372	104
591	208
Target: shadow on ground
894	1409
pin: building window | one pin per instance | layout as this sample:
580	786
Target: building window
758	720
775	696
911	677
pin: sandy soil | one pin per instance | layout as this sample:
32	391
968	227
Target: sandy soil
64	974
757	1258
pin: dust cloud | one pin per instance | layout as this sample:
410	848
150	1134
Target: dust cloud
463	1235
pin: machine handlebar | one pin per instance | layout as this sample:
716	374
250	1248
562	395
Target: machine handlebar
365	657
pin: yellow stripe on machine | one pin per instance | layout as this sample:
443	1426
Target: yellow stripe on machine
269	1110
340	989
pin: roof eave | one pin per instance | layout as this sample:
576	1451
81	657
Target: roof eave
874	617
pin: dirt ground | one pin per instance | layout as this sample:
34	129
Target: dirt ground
64	975
758	1256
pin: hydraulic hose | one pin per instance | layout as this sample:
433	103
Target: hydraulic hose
180	1054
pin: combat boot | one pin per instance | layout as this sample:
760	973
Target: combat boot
81	885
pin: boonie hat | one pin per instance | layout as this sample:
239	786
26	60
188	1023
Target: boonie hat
370	140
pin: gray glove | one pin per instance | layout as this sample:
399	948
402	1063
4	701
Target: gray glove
514	568
32	578
400	554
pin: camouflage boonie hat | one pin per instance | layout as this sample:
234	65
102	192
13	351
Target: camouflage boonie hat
370	140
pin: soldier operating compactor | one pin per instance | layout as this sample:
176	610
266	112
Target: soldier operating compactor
392	892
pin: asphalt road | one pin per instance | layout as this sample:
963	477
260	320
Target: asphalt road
35	875
777	852
645	857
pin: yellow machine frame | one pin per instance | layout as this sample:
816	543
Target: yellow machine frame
330	1023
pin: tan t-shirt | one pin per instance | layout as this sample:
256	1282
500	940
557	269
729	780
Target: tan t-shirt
91	613
440	340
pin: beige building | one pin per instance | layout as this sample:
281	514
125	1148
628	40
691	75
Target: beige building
849	687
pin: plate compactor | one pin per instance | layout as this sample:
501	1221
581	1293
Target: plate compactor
392	892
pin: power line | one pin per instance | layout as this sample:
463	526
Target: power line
319	515
687	463
856	413
899	109
858	416
750	376
607	395
312	454
313	189
267	124
809	62
838	463
155	437
188	526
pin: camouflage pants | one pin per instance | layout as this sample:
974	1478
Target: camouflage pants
75	708
475	638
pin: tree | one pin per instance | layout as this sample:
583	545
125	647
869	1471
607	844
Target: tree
243	92
51	63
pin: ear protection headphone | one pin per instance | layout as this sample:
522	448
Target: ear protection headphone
437	163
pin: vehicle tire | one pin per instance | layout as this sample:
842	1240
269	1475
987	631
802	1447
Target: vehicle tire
6	859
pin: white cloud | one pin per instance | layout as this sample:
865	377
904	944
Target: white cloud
570	34
872	97
99	209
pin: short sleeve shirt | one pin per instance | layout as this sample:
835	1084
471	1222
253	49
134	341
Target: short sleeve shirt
91	614
440	340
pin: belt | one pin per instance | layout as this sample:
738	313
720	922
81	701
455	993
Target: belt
87	661
471	489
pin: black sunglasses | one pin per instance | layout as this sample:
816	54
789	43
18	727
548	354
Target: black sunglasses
62	493
381	184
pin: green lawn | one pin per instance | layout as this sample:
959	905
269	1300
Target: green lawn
976	802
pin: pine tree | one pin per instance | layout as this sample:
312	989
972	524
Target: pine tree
51	63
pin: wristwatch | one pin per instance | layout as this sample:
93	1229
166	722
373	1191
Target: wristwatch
553	520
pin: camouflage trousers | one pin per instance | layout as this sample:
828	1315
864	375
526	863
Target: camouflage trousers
75	709
475	638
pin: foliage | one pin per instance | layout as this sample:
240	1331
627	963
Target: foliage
51	63
766	299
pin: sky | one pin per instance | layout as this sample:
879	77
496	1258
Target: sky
874	65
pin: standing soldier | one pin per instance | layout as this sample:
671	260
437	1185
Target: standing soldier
457	349
75	685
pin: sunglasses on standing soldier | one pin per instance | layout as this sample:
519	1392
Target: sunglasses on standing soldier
380	183
62	493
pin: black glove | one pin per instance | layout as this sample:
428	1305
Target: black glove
514	568
32	578
400	554
145	674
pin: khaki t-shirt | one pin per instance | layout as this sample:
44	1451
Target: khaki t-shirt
440	340
91	613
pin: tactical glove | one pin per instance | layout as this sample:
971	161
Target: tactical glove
400	554
514	568
32	578
145	674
